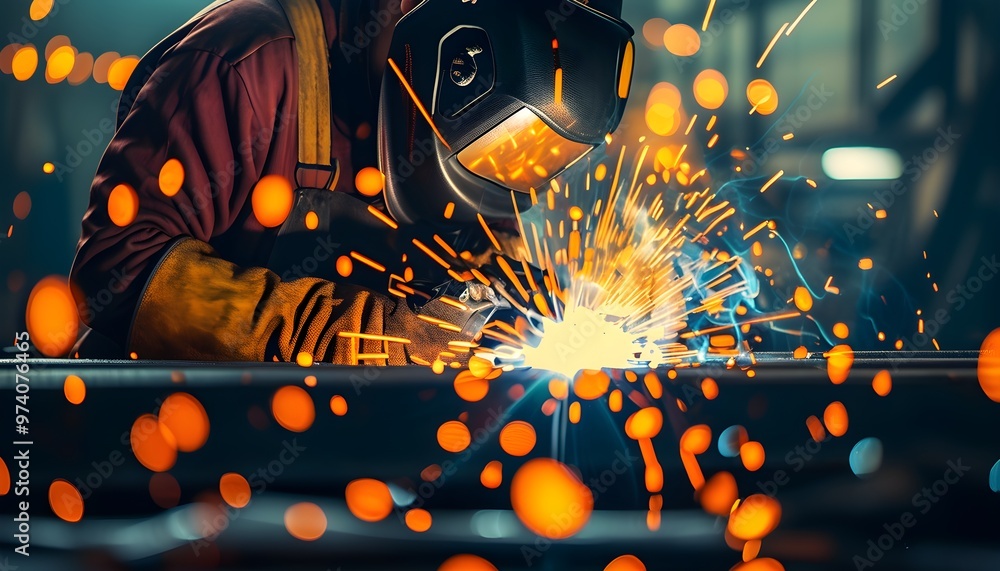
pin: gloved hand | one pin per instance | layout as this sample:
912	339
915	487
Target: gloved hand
428	341
532	299
198	306
529	288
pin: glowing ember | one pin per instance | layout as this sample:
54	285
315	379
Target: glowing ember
575	412
841	331
839	361
816	429
312	220
518	438
61	63
272	201
719	494
171	177
369	181
4	478
454	436
989	366
755	518
293	408
645	423
710	389
52	318
550	499
235	490
471	388
765	564
305	521
40	9
25	63
369	500
882	383
74	389
466	563
153	444
492	475
304	360
66	501
120	72
762	96
418	520
345	266
615	401
751	550
803	299
711	89
653	385
123	205
626	563
186	419
682	40
559	389
591	385
338	405
697	439
752	454
836	419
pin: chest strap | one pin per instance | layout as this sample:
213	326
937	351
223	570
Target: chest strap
315	115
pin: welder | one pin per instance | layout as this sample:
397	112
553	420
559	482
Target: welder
463	106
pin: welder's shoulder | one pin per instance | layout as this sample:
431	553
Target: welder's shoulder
235	30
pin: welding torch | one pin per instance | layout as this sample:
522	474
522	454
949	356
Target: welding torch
472	305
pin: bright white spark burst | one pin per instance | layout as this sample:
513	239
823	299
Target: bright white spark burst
588	340
645	279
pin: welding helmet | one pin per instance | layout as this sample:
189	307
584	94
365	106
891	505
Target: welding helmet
484	100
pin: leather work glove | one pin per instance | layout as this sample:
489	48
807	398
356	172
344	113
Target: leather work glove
198	306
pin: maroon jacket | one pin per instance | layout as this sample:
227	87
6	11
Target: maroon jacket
219	95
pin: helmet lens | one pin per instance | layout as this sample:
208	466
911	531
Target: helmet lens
521	153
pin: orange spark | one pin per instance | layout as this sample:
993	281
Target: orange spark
801	16
771	45
418	103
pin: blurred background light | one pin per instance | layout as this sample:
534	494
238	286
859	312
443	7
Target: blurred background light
862	163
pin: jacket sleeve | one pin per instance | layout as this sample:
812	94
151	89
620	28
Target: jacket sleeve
193	108
155	286
198	306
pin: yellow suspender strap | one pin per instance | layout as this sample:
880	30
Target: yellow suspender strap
315	136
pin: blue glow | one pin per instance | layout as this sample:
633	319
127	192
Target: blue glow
866	457
730	441
995	477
